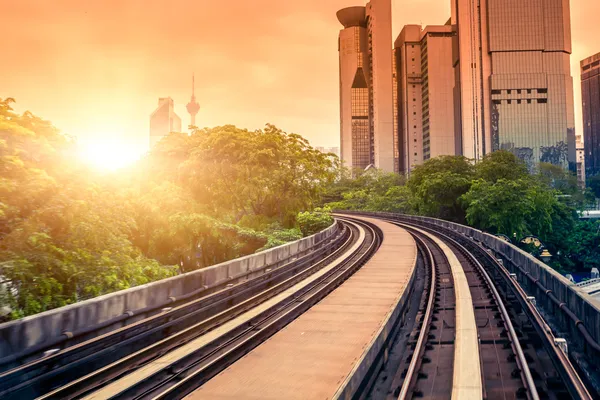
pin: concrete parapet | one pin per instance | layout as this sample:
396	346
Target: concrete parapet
532	270
17	336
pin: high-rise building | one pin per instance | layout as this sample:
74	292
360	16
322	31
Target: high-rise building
163	120
366	95
514	89
193	107
328	150
590	93
425	94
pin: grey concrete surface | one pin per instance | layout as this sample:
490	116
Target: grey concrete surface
16	336
584	306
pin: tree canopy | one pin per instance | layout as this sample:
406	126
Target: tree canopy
68	233
498	195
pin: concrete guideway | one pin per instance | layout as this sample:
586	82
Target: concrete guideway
118	386
466	380
327	351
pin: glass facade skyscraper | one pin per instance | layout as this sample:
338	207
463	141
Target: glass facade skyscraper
425	94
590	93
515	90
163	120
366	96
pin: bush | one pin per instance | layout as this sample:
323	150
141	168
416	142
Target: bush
315	221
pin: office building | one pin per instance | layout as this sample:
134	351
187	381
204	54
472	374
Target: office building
163	121
425	106
329	150
513	88
366	95
590	93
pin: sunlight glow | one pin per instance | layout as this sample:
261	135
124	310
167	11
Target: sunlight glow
109	155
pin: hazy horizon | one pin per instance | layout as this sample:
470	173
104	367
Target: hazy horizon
97	69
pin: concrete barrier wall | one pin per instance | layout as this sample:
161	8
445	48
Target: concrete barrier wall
575	298
16	336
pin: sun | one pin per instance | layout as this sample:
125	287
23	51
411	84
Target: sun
109	154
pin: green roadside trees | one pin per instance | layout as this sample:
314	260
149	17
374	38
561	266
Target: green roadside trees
68	233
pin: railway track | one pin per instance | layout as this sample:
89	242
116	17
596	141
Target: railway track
517	360
169	355
204	335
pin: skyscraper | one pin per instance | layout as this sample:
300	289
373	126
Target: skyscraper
590	93
163	120
193	107
366	95
425	94
407	52
514	89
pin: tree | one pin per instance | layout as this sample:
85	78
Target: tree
67	234
500	207
438	184
594	184
501	164
313	222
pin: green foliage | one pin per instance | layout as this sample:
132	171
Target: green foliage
594	184
438	184
501	165
511	207
68	234
313	222
370	191
498	195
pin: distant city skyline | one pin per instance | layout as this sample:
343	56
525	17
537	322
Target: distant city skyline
95	75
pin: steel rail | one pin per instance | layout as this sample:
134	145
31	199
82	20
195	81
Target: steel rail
170	302
189	377
48	375
575	384
528	378
410	378
561	361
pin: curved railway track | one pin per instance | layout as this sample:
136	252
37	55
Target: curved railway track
235	320
516	360
170	354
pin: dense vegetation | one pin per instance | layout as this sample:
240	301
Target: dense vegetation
497	195
68	233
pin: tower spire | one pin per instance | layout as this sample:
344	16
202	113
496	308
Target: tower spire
193	107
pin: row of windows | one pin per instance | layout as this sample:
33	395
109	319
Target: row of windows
519	91
519	101
594	64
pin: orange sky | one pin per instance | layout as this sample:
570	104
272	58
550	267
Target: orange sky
96	68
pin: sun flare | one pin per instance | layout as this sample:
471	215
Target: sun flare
109	155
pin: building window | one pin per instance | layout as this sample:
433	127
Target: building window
518	91
528	101
518	101
542	101
542	90
528	91
509	101
496	91
509	91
